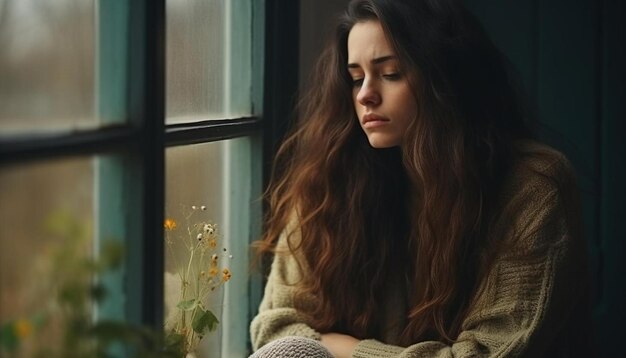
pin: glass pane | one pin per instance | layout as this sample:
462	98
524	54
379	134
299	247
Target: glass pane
208	60
46	65
210	184
46	227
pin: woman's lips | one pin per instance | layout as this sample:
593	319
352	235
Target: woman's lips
373	121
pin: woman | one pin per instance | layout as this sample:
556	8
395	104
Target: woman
410	213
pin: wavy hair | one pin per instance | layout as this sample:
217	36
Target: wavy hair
419	213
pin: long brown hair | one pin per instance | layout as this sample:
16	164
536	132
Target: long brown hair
421	210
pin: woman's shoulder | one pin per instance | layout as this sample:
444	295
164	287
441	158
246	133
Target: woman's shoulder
539	202
538	164
538	172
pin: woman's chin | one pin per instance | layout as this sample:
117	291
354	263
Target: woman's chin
380	143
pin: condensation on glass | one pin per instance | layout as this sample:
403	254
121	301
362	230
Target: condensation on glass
46	66
215	176
208	60
46	215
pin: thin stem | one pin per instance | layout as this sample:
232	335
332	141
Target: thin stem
193	333
172	254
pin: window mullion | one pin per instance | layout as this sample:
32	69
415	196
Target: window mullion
144	199
130	182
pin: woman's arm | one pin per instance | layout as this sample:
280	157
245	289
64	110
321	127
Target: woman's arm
277	315
522	316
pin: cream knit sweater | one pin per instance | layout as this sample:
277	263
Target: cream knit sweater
536	298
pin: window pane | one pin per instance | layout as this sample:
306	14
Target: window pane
218	176
45	234
208	59
46	65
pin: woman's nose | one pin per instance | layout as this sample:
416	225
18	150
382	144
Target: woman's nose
368	95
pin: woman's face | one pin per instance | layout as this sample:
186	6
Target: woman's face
382	96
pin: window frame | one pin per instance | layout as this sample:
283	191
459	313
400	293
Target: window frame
134	170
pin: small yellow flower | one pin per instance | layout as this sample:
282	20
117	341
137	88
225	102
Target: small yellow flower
212	243
169	224
213	271
226	274
23	328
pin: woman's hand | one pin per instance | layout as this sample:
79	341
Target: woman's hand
340	345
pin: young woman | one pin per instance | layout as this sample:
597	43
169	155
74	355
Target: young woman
410	212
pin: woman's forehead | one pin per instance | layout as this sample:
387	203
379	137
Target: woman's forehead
367	42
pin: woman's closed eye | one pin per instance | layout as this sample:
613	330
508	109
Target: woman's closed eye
393	76
357	82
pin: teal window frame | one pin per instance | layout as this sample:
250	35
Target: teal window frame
130	146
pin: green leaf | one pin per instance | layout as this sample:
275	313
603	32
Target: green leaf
204	321
98	292
187	305
8	339
175	342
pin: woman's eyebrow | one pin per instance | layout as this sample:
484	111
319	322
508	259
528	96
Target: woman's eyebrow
375	61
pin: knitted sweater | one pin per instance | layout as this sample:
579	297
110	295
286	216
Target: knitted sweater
535	302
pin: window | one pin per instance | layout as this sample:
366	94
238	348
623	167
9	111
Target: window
113	115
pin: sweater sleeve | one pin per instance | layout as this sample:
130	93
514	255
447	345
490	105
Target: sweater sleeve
531	289
277	317
510	327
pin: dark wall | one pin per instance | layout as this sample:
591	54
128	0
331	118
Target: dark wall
317	20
